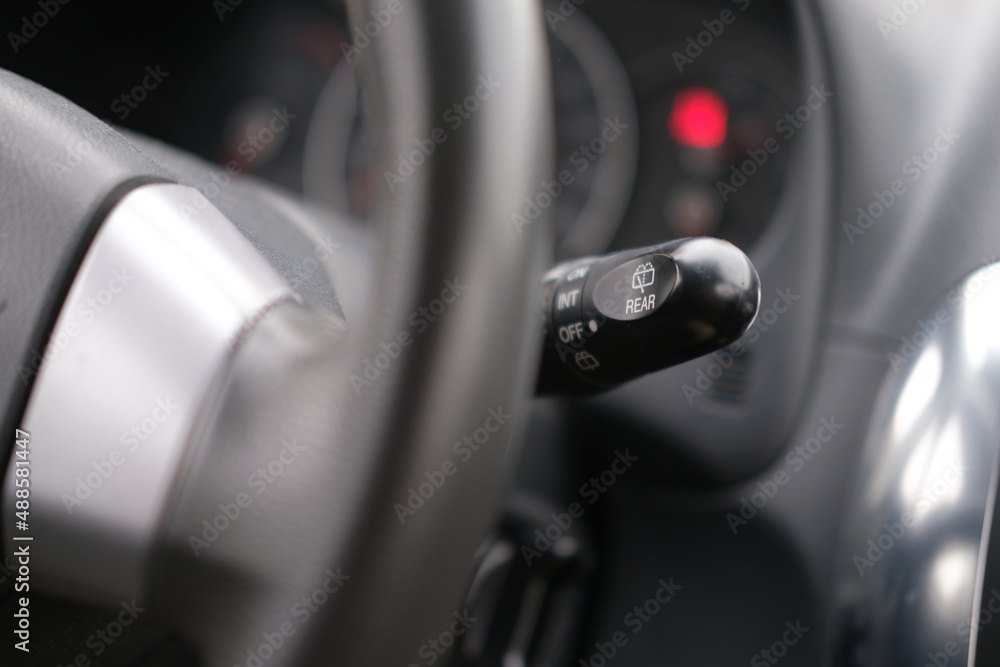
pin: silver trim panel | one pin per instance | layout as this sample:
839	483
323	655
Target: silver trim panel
136	358
913	545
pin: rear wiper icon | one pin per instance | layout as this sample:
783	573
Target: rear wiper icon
643	277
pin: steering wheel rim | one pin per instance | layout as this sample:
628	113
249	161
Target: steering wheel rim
481	355
445	227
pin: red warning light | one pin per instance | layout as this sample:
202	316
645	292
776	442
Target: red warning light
699	118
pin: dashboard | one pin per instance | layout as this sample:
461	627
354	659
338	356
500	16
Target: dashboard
661	113
778	126
659	131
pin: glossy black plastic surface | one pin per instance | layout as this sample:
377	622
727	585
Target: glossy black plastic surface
612	318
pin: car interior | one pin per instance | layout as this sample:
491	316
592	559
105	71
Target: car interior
510	333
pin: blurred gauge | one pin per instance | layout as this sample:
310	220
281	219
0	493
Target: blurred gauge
715	149
592	93
692	208
597	138
252	99
278	100
717	160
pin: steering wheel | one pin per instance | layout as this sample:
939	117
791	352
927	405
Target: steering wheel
380	451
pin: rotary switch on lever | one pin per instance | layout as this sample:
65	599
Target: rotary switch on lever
613	318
